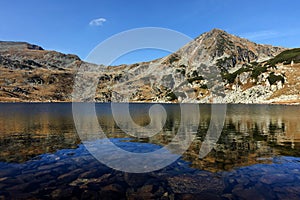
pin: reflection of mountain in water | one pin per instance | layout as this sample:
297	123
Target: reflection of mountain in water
28	130
252	133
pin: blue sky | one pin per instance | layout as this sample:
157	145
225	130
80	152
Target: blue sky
68	26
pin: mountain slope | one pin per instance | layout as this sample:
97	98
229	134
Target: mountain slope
215	67
212	46
30	73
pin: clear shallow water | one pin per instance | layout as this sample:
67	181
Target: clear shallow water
257	156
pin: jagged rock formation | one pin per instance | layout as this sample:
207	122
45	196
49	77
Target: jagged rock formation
216	67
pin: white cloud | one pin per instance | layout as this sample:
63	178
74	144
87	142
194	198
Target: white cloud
260	35
97	22
270	34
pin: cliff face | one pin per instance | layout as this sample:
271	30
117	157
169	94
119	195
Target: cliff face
215	67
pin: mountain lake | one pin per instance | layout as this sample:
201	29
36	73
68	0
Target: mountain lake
257	155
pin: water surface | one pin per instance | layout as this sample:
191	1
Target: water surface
256	157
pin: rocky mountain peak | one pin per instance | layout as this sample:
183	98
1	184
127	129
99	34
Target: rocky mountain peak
229	51
216	32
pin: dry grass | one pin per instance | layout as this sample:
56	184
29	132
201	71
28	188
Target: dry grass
292	85
14	85
247	85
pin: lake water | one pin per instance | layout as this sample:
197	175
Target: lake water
256	157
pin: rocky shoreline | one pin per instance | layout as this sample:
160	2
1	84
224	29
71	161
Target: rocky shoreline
285	103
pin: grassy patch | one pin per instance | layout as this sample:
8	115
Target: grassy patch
171	96
181	71
197	78
274	78
204	86
230	77
258	70
286	57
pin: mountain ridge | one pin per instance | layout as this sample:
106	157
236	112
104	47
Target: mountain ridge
4	45
194	73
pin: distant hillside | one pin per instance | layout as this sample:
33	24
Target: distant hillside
215	67
6	46
30	73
